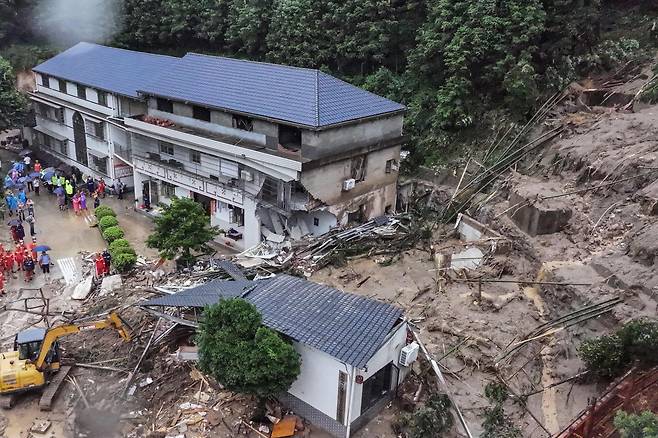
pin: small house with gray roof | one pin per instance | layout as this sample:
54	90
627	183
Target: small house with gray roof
355	351
270	151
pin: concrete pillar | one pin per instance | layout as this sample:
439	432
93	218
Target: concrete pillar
251	233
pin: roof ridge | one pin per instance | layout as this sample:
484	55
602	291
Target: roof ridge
125	50
249	61
360	89
317	98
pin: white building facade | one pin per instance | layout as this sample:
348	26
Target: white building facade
270	151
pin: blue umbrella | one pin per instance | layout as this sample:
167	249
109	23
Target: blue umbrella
48	169
9	183
19	166
48	174
23	179
35	174
42	248
58	191
14	222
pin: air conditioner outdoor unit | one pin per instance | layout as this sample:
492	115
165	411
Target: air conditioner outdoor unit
349	184
409	354
247	176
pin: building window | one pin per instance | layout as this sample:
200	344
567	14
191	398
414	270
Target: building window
102	98
167	190
201	113
62	86
45	80
359	167
95	129
63	147
392	166
342	393
244	123
290	137
165	105
316	222
166	148
82	91
195	157
99	164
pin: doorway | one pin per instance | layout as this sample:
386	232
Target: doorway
205	201
80	139
376	387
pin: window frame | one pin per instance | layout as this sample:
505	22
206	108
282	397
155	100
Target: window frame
45	80
193	155
164	105
165	146
242	123
102	101
81	91
63	88
200	113
167	190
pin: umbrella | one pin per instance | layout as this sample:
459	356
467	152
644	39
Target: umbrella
58	191
48	174
9	183
18	166
25	152
23	179
13	222
42	248
35	175
48	169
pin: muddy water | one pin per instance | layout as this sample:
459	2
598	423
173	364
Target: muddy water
549	396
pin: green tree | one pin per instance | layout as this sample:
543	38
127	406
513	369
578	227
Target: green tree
248	26
181	229
496	424
643	425
13	105
243	355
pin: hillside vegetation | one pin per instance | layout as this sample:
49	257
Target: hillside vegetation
465	68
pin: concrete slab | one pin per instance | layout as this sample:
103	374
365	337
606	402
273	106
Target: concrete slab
111	283
470	258
533	213
83	289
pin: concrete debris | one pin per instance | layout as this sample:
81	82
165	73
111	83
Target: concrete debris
470	258
110	284
83	289
40	426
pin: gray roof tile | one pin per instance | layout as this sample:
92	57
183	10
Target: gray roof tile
107	68
346	326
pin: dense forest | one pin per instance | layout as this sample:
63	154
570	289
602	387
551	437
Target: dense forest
465	68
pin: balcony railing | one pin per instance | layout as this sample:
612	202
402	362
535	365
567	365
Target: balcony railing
200	184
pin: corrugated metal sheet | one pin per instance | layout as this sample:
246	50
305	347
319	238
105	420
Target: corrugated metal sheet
297	95
346	326
107	68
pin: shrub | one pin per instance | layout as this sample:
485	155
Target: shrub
119	243
432	420
112	233
103	211
107	221
643	425
122	250
610	355
124	261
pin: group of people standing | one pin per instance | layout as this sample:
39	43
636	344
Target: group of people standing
22	258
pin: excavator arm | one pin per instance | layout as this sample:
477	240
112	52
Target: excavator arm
113	320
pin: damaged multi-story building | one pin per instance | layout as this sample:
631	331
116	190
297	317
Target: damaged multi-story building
269	150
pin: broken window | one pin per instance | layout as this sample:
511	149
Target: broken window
290	137
359	167
201	113
165	105
391	166
243	123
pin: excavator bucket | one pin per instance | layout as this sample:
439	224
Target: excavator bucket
122	326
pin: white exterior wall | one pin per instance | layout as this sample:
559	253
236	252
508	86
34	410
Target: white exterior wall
389	352
317	383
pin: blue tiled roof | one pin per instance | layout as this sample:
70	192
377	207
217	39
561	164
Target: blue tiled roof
107	68
296	95
346	326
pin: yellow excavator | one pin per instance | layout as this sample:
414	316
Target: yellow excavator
36	356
